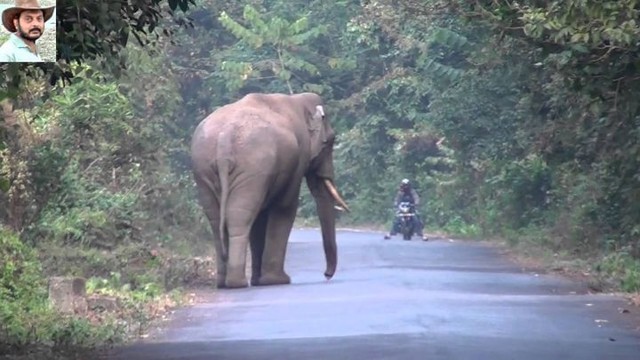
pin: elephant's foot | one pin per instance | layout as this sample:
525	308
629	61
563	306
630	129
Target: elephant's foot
235	283
220	282
255	275
236	277
274	279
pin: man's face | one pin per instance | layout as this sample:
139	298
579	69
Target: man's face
30	24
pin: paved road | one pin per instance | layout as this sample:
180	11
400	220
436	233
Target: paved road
401	300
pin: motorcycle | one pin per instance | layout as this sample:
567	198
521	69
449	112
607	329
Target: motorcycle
407	220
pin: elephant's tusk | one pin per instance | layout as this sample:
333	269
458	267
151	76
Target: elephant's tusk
334	192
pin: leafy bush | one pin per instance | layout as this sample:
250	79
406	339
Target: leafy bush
26	318
623	267
22	289
517	193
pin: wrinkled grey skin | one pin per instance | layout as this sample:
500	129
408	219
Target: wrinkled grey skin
249	159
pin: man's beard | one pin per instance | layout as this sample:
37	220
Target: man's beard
32	35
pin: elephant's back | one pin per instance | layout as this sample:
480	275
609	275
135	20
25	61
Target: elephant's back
234	133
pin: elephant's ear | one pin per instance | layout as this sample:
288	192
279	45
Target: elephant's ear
317	130
319	113
315	122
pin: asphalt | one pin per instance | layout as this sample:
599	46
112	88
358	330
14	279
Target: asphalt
395	299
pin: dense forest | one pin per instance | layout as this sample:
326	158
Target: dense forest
514	120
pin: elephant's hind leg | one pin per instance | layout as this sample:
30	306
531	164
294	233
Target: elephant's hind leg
242	211
256	241
211	208
236	266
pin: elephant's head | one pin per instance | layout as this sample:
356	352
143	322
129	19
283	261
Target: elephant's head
320	175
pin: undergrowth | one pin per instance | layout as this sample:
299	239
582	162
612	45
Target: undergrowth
140	293
26	317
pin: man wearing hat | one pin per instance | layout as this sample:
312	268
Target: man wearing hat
25	21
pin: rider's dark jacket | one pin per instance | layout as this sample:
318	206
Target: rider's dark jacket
411	195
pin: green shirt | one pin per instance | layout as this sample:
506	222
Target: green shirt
16	50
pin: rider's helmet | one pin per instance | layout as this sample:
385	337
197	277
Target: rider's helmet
405	184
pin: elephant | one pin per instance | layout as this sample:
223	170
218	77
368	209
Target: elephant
248	161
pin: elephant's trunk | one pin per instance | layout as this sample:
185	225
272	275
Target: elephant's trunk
326	214
325	201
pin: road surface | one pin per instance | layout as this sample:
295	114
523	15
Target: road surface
394	299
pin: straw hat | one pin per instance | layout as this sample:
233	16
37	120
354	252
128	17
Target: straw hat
11	13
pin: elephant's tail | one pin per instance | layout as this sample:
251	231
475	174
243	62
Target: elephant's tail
223	171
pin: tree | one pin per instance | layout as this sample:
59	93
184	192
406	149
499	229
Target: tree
277	41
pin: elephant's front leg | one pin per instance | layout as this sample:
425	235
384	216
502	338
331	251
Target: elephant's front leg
257	240
278	231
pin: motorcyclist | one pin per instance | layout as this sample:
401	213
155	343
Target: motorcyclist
406	193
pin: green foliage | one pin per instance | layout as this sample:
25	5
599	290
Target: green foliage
94	188
25	315
508	117
100	176
621	265
83	209
93	171
280	40
390	133
133	301
20	275
457	226
581	107
519	190
91	30
533	100
444	45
